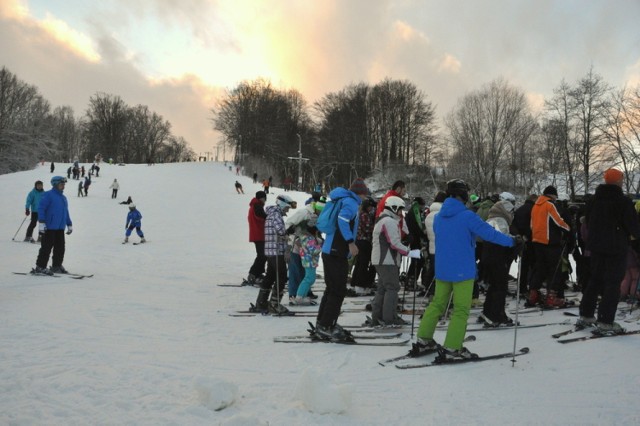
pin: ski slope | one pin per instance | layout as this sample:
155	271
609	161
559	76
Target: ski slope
149	340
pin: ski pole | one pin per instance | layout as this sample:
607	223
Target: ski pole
20	227
515	328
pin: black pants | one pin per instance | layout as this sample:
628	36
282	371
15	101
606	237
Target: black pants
364	274
496	274
52	239
528	260
114	193
606	274
415	269
336	270
429	275
276	274
547	267
32	224
257	269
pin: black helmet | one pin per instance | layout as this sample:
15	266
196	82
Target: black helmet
458	188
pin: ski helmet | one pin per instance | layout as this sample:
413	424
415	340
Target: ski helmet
132	206
283	201
57	180
394	203
507	196
458	188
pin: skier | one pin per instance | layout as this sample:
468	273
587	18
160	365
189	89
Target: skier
265	186
414	219
456	229
239	189
114	188
611	221
275	235
80	189
398	189
364	273
31	208
522	223
310	249
546	233
129	200
338	246
296	225
53	167
53	217
385	256
134	220
434	209
87	183
497	261
256	217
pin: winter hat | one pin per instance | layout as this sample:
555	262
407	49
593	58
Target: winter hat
507	196
613	176
458	188
474	198
261	194
550	190
319	205
359	187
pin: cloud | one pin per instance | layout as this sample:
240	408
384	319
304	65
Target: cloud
632	75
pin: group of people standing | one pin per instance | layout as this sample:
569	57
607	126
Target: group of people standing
477	241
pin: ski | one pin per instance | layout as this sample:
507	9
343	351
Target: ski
355	336
434	363
311	339
137	244
35	274
511	327
384	363
567	332
267	314
75	276
596	336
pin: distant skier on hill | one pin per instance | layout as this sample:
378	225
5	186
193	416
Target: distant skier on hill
134	221
31	208
239	189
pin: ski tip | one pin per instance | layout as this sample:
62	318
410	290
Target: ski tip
524	350
470	338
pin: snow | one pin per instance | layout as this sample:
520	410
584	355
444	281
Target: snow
149	340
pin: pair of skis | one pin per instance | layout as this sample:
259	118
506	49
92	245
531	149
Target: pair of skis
74	276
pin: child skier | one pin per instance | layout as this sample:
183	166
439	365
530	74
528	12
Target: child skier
310	249
134	220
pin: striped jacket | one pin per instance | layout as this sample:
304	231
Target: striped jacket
546	223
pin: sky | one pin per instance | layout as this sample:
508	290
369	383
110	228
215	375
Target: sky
180	57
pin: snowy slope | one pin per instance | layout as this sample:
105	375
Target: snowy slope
148	340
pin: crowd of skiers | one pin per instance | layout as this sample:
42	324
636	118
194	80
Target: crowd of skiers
49	210
457	247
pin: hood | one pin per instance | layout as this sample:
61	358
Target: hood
451	207
543	199
255	201
606	190
435	207
344	193
499	209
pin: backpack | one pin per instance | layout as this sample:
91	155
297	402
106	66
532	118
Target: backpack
328	220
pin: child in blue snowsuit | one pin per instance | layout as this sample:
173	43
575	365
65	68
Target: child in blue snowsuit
134	220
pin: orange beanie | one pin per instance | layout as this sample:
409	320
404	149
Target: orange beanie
613	176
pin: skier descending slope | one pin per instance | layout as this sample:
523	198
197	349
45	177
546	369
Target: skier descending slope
456	229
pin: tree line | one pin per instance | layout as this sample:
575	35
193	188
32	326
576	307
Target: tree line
492	137
31	129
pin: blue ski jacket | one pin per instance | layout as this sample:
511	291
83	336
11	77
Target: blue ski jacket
134	218
337	243
456	229
53	210
33	200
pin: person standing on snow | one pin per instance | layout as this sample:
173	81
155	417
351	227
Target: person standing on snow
134	221
456	229
31	208
363	275
53	218
338	246
256	217
386	257
87	183
275	235
611	222
114	188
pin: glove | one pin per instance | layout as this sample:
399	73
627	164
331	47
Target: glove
518	244
415	254
69	229
27	212
42	227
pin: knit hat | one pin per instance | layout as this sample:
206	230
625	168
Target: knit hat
550	190
261	194
613	176
359	187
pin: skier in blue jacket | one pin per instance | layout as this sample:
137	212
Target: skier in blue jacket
338	246
53	216
134	220
456	228
31	208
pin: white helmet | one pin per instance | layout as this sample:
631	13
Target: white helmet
394	203
507	196
284	201
132	206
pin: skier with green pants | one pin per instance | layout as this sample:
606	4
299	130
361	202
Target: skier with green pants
456	228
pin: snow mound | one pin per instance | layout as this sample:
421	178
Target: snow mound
215	394
319	395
